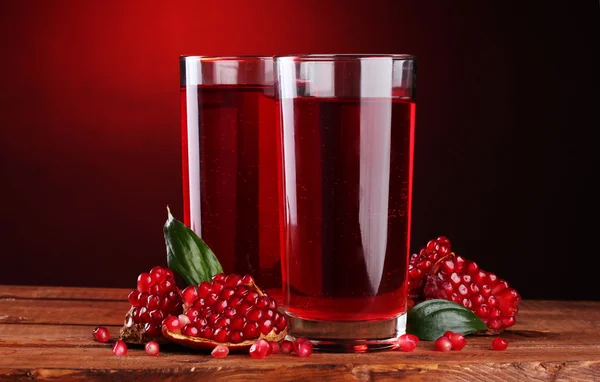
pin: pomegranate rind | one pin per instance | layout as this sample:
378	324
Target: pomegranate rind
207	344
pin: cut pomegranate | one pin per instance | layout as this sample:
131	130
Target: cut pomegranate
101	334
260	349
231	310
156	298
499	344
457	340
152	348
437	272
443	344
120	348
220	351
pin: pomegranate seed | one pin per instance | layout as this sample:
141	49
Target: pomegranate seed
259	349
144	282
499	344
101	334
219	306
218	277
229	312
172	323
244	307
211	299
233	280
120	348
262	302
226	293
159	275
152	348
220	322
241	291
184	320
152	330
251	330
251	297
448	334
303	348
265	325
287	347
190	294
200	323
153	302
220	351
254	314
221	335
237	323
443	344
247	280
206	332
407	342
217	287
190	330
204	289
274	347
457	340
236	337
133	298
192	314
282	324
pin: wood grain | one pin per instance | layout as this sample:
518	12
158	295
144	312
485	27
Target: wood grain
45	334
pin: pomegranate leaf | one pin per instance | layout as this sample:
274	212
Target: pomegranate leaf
187	254
430	319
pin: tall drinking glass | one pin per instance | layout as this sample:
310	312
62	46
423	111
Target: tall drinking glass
230	179
347	128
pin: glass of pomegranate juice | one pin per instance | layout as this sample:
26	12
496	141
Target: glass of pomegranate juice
230	181
347	128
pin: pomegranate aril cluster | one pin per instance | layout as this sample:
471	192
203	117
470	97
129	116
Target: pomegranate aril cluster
227	310
436	272
155	298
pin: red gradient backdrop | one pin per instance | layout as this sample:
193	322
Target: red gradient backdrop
90	136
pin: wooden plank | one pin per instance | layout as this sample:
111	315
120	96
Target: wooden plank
422	365
74	312
12	292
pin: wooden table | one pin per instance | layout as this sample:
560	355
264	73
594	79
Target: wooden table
46	334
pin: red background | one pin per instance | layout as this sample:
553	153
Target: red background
90	134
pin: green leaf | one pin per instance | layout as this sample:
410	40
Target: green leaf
187	254
430	319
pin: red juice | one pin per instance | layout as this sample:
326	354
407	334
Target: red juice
230	178
347	184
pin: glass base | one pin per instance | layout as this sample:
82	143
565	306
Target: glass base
349	336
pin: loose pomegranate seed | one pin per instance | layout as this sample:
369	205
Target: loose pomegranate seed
443	344
152	348
457	340
287	347
101	334
274	347
407	342
144	282
448	334
172	323
259	349
499	344
120	348
220	351
303	347
190	294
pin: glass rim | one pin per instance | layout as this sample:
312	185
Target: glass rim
220	58
342	57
